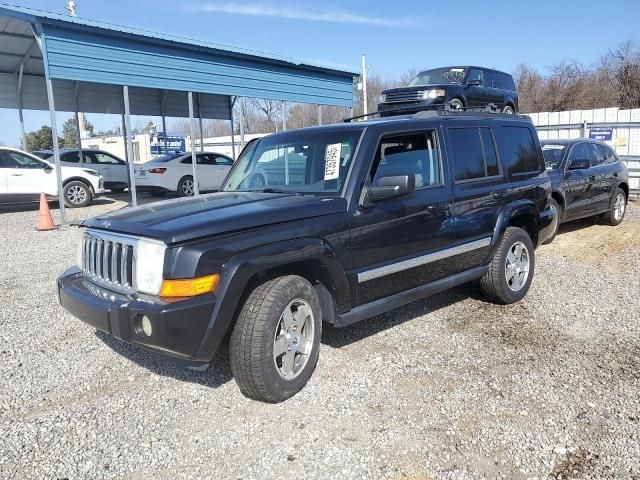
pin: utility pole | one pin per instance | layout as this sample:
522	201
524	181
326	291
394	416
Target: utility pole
364	86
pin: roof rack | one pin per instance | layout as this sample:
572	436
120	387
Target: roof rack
432	111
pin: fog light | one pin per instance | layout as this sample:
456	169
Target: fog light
146	326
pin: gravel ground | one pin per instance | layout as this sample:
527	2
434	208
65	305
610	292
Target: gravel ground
448	387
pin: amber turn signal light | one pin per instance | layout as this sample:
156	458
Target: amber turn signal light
189	287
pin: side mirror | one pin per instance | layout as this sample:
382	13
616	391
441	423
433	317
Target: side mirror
474	82
48	169
389	187
579	164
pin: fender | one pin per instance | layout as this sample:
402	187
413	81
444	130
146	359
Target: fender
236	274
507	214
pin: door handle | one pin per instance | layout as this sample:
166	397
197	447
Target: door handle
16	174
499	194
439	207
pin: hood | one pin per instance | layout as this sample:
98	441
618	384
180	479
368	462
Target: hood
183	219
68	171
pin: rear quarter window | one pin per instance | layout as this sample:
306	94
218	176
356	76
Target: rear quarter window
518	150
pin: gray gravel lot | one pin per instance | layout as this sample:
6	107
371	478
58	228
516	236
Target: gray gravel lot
448	387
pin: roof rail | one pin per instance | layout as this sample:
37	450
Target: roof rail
432	111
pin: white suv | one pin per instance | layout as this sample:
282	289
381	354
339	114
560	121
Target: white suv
23	177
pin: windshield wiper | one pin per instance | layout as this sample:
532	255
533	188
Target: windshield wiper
276	190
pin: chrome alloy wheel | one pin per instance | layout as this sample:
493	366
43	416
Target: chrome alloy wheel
77	195
187	187
293	339
517	266
618	207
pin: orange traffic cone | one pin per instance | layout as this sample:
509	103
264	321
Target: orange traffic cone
45	220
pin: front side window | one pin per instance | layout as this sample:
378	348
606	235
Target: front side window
474	153
70	157
413	154
297	162
19	160
518	151
475	75
579	152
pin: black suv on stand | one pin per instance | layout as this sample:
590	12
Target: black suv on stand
452	87
588	179
335	223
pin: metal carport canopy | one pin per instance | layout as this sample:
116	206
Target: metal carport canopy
80	50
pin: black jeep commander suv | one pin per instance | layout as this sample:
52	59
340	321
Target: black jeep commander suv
454	87
327	224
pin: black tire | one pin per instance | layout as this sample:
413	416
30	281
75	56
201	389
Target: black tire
158	194
456	104
117	190
186	186
614	216
495	285
557	221
254	364
77	194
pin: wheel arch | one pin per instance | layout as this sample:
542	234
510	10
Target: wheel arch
66	181
625	188
311	258
522	214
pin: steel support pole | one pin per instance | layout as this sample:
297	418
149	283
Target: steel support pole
233	138
79	129
284	116
23	138
241	123
365	100
163	99
129	140
123	130
319	114
56	148
200	126
192	129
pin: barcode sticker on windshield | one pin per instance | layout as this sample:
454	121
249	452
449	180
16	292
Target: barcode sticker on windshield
332	161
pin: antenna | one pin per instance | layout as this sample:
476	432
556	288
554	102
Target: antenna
71	8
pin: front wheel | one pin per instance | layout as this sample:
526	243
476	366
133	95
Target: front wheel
77	194
508	110
511	269
186	186
456	104
276	340
617	209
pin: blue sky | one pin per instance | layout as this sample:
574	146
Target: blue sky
394	35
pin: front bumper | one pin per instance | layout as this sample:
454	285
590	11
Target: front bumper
545	224
177	328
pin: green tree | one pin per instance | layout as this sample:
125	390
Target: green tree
41	139
70	131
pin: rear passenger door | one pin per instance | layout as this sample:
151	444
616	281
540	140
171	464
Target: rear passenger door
492	84
398	243
476	95
579	184
479	191
606	173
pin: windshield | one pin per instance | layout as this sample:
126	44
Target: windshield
553	155
296	162
42	155
439	76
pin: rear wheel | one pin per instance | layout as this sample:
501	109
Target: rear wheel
511	269
77	194
186	186
617	209
276	340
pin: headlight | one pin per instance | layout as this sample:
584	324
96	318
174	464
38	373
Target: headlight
80	245
382	98
92	172
149	266
433	93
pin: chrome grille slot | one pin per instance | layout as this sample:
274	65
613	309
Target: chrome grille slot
412	96
108	260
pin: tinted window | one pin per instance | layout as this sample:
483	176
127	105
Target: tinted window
415	155
222	160
596	155
438	76
205	160
579	152
70	157
490	157
518	150
491	79
105	158
553	155
467	153
607	153
12	159
507	82
475	74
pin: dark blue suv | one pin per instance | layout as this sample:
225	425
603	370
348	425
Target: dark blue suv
452	87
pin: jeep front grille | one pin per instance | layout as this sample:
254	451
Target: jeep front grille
109	260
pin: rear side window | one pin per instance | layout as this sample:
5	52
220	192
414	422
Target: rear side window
607	153
491	79
596	155
518	151
474	153
70	157
220	160
507	82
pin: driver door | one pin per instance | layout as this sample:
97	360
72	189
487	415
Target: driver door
393	240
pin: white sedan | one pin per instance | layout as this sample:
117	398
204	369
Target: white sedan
174	173
23	177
